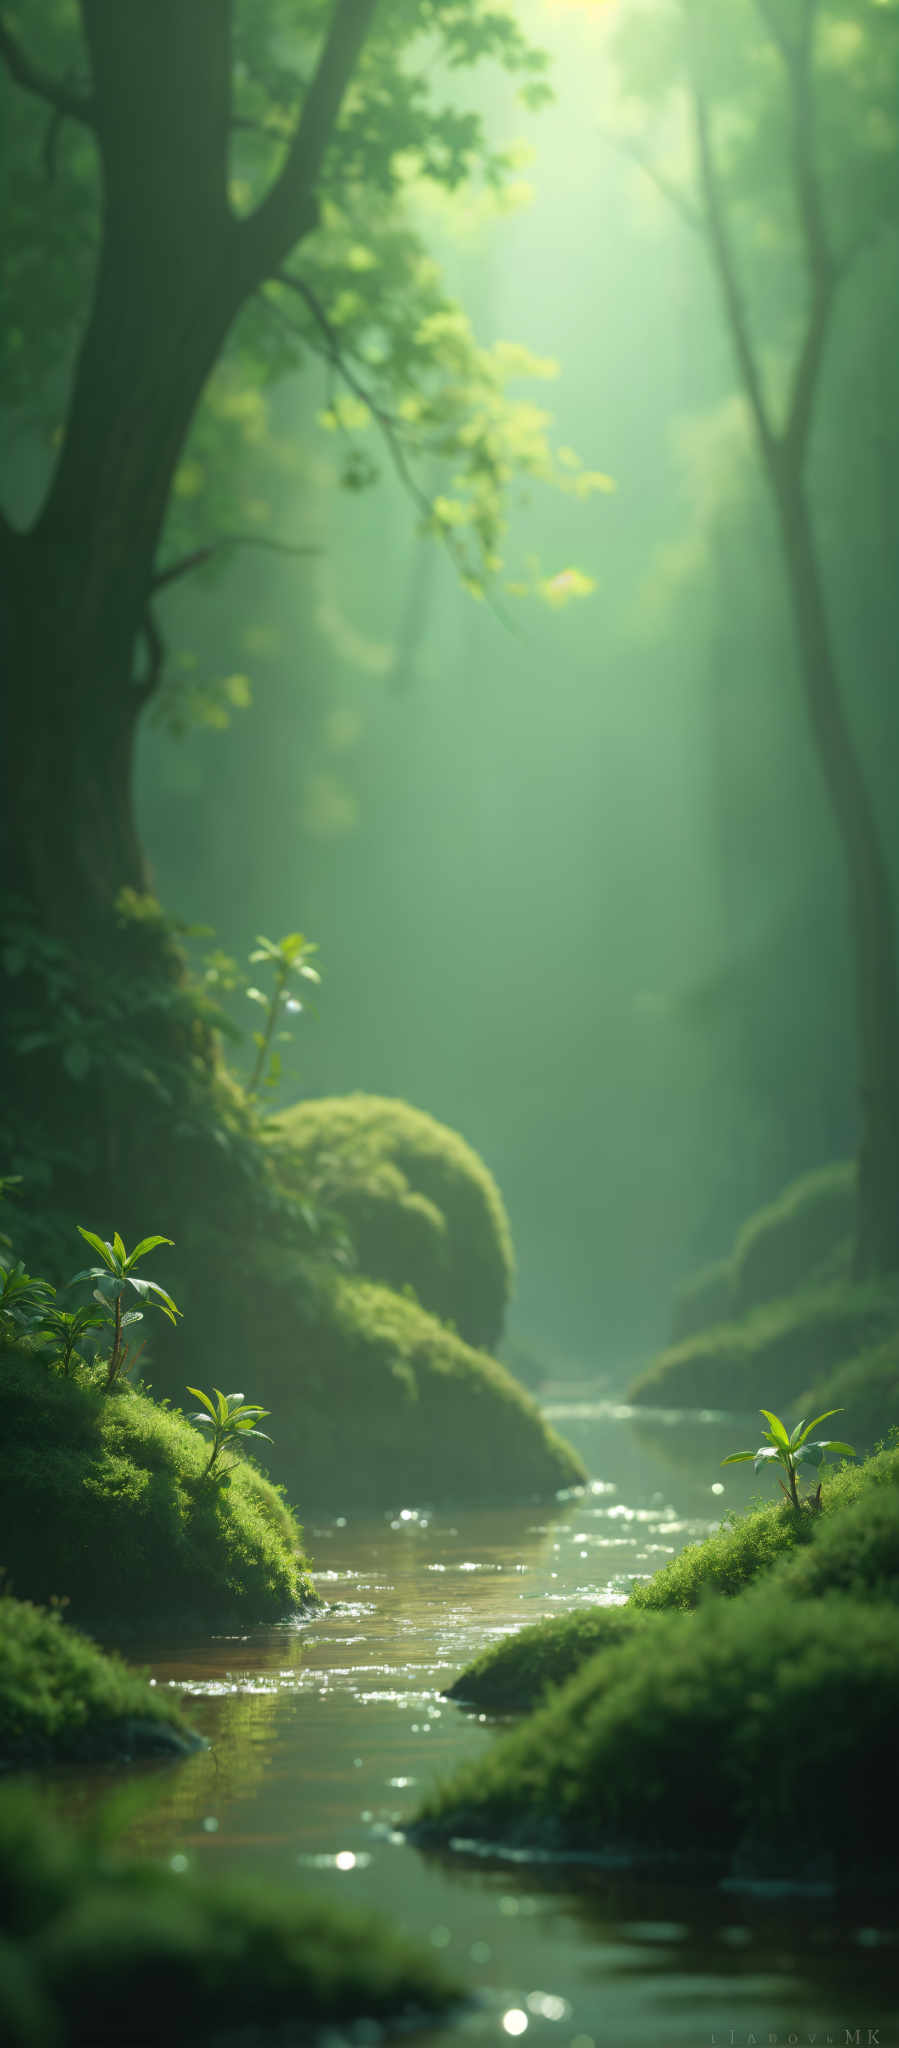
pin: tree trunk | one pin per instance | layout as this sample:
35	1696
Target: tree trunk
871	913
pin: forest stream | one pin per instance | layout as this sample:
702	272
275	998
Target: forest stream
323	1735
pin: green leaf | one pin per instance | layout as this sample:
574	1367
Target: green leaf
99	1244
807	1430
147	1244
765	1452
207	1404
778	1431
808	1454
738	1458
796	1434
841	1450
119	1248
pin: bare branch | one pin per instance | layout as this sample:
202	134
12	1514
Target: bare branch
725	264
290	207
822	271
676	197
66	99
185	564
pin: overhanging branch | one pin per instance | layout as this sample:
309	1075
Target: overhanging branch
198	558
66	99
725	264
290	207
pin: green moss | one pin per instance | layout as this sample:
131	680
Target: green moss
708	1739
104	1949
781	1247
854	1551
773	1353
739	1552
422	1208
62	1700
102	1501
703	1301
375	1401
513	1675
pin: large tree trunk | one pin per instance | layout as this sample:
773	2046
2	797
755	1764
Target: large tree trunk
871	911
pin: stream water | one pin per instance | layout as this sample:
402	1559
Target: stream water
324	1735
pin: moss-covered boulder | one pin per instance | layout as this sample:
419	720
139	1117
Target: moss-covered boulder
746	1738
64	1701
100	1948
375	1402
103	1502
773	1353
421	1207
787	1243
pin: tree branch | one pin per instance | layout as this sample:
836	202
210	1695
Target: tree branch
725	264
65	98
821	269
679	200
290	207
200	556
144	687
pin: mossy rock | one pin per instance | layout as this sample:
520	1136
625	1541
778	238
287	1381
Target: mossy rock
102	1948
374	1402
103	1502
773	1353
703	1745
421	1207
787	1243
703	1301
512	1676
64	1701
749	1547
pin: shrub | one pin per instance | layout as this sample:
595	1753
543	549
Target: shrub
779	1249
855	1551
378	1402
782	1344
741	1550
422	1208
511	1676
102	1501
105	1949
707	1742
62	1700
703	1301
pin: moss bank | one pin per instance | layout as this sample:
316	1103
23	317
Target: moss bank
512	1676
103	1503
754	1737
784	1345
422	1208
101	1949
376	1402
64	1701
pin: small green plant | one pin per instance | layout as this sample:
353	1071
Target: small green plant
64	1329
23	1299
230	1419
290	955
115	1282
794	1450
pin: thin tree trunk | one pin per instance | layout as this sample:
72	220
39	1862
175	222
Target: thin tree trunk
871	912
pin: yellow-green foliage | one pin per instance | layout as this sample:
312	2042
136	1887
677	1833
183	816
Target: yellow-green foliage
782	1246
773	1353
103	1949
62	1699
737	1553
103	1502
867	1387
374	1400
756	1731
513	1675
422	1208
